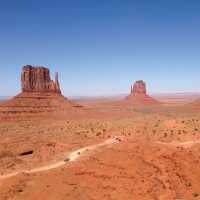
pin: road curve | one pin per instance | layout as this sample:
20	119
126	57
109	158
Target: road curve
73	156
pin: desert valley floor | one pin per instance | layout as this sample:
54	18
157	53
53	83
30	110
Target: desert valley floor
102	151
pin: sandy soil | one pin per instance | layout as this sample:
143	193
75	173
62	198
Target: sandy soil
156	155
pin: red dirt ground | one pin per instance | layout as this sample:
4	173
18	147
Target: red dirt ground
158	157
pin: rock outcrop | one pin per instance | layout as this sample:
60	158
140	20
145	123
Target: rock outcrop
39	94
139	88
139	96
37	79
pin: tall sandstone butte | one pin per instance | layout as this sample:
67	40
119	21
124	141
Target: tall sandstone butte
39	94
139	96
139	88
37	79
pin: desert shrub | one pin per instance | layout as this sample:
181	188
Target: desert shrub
195	194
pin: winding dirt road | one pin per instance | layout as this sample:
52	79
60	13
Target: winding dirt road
73	156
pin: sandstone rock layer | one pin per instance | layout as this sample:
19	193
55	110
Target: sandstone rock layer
37	79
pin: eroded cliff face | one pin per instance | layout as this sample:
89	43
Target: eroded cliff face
39	95
37	79
139	96
139	87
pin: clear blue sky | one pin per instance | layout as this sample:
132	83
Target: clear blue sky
99	47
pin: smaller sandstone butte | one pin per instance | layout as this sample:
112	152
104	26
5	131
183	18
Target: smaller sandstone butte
139	88
139	96
39	94
37	79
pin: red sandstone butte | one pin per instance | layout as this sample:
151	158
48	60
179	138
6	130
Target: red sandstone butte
139	88
39	94
37	79
139	94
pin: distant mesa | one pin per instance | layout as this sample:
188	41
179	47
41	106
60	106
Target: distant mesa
139	96
39	94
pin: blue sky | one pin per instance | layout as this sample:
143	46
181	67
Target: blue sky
99	47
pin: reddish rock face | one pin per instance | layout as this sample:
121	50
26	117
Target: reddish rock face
139	87
37	79
39	95
139	95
